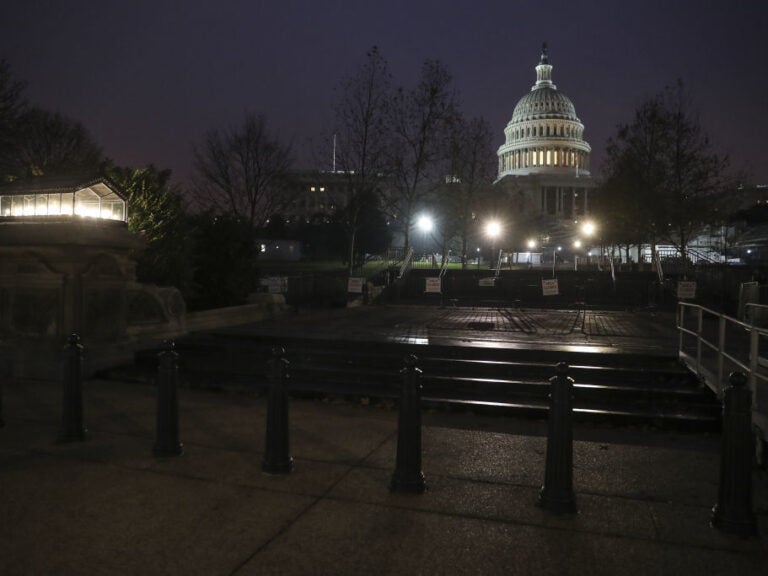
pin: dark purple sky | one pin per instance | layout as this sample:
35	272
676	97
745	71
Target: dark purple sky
147	78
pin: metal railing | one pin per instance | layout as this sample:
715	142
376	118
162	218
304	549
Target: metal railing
659	269
407	264
712	345
443	269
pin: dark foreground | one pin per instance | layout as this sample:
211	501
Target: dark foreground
107	506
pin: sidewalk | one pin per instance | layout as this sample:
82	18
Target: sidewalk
107	506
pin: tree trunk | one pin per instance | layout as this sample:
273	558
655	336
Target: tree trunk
352	238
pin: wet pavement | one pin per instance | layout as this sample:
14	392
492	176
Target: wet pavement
108	506
600	331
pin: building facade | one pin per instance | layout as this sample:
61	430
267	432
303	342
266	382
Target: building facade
544	170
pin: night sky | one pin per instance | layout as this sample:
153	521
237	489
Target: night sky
147	78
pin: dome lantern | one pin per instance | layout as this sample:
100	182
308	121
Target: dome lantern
544	71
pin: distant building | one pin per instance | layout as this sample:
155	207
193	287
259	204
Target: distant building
317	195
544	173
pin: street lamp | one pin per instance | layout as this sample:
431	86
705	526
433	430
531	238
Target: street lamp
493	230
554	258
425	224
576	246
589	228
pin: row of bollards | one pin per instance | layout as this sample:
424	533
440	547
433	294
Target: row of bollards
6	373
277	456
72	428
733	512
557	494
167	442
408	476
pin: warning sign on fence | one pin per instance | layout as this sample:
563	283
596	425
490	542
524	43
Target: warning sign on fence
355	285
487	282
686	289
549	287
433	285
275	284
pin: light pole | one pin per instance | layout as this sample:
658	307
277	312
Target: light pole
576	246
588	229
531	245
425	224
493	230
554	258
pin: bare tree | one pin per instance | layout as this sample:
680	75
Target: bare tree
663	178
243	171
11	106
471	173
49	143
696	177
420	119
362	137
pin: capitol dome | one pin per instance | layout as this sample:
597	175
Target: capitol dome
544	135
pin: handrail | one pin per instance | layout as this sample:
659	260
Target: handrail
659	269
443	268
723	344
407	263
701	255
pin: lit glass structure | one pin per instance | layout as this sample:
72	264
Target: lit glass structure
68	197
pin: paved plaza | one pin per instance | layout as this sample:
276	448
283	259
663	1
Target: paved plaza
108	506
646	331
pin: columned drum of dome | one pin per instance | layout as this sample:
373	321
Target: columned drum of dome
544	159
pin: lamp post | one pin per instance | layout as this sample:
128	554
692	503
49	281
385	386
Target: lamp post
554	258
588	229
493	231
425	224
531	245
576	246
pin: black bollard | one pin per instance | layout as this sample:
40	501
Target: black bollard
72	428
167	443
557	494
6	373
733	512
408	476
277	456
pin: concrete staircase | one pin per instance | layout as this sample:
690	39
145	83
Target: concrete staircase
621	388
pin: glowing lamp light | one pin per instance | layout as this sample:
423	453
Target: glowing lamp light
425	224
577	244
531	244
589	228
493	228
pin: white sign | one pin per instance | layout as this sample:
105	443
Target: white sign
487	282
549	287
686	290
355	285
275	284
433	285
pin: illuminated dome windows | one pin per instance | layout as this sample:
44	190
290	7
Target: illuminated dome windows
544	134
